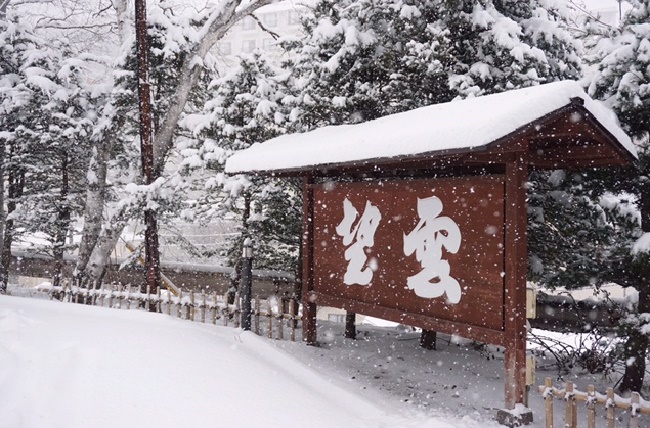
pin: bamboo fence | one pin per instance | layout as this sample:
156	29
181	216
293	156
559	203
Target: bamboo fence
198	307
634	406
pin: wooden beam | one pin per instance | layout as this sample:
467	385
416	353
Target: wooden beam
308	305
482	334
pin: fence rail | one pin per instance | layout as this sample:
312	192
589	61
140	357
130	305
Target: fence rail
280	314
635	405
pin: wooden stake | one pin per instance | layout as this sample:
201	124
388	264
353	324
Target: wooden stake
202	306
257	315
281	320
179	308
569	416
634	412
190	309
269	313
237	315
548	383
591	406
292	320
610	407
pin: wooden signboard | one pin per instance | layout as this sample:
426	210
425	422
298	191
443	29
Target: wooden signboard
424	252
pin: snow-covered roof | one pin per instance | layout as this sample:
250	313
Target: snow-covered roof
464	125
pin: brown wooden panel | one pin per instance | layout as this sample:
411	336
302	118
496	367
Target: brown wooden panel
474	204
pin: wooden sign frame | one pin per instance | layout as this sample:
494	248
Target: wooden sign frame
512	334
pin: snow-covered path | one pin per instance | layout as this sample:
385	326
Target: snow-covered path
65	365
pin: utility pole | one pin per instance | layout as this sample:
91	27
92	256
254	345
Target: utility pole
152	254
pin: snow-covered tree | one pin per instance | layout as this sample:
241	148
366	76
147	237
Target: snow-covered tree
622	80
364	59
245	108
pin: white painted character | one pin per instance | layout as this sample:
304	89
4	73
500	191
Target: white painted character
358	235
431	234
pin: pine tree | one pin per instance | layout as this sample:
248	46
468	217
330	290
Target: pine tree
245	108
622	81
384	57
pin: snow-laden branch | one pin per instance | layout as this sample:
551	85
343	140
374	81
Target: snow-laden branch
220	21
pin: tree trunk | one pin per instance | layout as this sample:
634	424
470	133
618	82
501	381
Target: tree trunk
636	345
102	251
93	211
63	224
16	181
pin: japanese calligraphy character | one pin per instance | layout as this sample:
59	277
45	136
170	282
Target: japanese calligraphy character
358	235
431	234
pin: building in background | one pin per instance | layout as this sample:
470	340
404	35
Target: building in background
273	21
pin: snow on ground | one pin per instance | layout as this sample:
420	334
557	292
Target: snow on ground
67	365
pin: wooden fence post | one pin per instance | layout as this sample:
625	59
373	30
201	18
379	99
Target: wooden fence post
269	313
226	310
147	303
257	315
159	301
548	383
591	406
202	306
570	415
190	309
127	297
179	308
610	407
237	314
214	309
281	320
634	411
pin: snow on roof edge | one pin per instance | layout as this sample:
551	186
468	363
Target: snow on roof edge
458	125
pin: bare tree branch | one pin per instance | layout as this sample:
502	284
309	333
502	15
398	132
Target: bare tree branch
273	34
218	24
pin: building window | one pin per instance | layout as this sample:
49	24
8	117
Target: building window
267	44
293	18
248	46
249	23
270	19
336	318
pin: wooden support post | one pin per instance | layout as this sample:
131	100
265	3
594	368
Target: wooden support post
515	279
548	383
350	325
159	301
308	305
147	294
610	407
169	303
591	406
